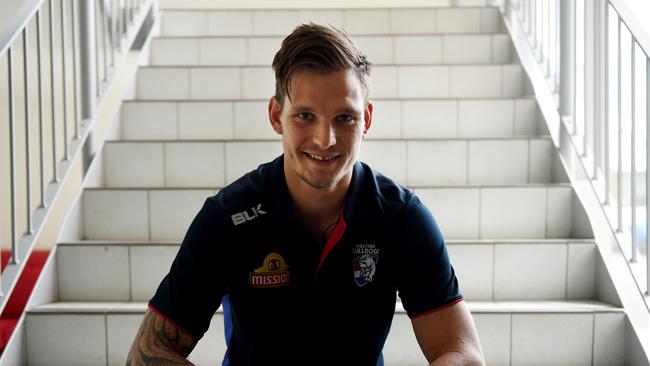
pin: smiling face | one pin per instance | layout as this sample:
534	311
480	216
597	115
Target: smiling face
322	125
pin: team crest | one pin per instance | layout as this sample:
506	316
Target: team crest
365	261
273	273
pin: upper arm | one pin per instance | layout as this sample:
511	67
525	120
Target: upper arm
449	330
159	341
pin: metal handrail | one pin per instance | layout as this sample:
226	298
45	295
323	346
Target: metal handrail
603	116
67	56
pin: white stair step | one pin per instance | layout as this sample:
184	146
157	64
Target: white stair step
380	50
408	82
167	164
392	118
487	270
517	333
355	22
471	212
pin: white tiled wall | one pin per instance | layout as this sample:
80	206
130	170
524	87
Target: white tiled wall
115	214
172	211
149	264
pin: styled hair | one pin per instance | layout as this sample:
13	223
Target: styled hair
320	49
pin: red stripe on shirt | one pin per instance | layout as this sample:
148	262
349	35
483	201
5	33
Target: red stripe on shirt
333	239
437	309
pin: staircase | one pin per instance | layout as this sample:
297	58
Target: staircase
454	120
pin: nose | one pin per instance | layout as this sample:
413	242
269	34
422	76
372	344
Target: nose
324	135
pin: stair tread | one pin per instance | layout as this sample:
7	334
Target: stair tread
542	306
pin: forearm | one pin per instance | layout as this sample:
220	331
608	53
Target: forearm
159	342
458	359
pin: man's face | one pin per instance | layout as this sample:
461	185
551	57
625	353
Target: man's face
322	126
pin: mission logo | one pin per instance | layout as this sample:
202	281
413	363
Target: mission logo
273	273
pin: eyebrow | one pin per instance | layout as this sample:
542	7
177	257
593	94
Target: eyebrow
348	110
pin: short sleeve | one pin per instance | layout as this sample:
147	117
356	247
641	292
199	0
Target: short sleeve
426	279
191	292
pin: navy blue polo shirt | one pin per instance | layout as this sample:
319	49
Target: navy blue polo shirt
294	299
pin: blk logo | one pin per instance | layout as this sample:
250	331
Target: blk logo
248	215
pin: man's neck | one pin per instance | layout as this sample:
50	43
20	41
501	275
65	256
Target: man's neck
317	208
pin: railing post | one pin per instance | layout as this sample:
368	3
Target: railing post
647	167
87	58
567	60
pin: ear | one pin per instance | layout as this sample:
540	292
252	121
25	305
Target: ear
275	111
367	118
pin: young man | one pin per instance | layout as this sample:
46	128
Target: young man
312	247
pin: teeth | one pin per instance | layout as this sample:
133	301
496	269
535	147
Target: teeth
321	158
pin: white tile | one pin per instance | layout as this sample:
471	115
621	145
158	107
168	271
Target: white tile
490	20
174	51
530	271
430	118
609	338
163	83
418	49
513	81
455	209
121	330
526	117
437	163
494	333
215	83
384	82
252	121
242	157
205	120
498	162
93	273
513	212
412	21
386	120
366	21
184	23
133	164
401	346
582	271
194	164
456	20
149	264
126	211
261	50
463	81
558	213
473	266
388	157
501	48
423	81
541	151
66	340
212	346
551	339
149	121
467	49
378	49
322	17
486	118
223	51
230	23
172	211
258	82
274	22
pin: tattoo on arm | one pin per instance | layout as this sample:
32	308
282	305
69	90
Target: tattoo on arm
160	342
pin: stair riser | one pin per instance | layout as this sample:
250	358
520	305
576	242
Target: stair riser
380	50
392	119
516	339
486	272
215	164
355	22
463	213
249	83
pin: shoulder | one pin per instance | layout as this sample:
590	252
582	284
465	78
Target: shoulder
391	197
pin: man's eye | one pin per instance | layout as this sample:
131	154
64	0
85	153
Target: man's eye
345	118
305	115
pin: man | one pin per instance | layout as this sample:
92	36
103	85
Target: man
311	248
